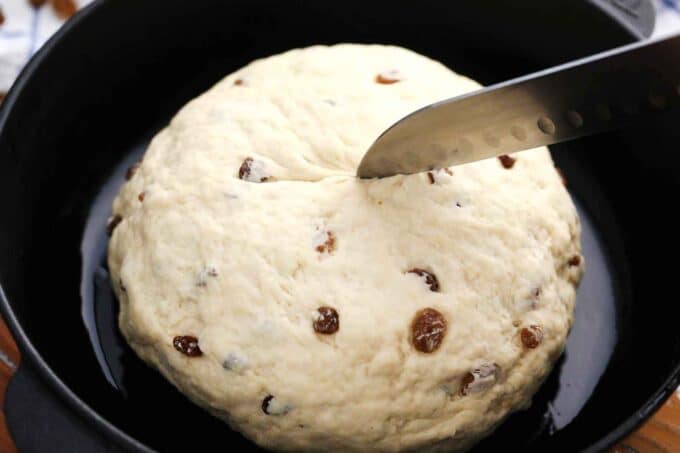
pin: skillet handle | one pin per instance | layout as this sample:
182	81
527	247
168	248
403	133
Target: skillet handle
638	16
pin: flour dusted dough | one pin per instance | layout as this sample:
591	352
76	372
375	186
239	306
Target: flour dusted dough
251	219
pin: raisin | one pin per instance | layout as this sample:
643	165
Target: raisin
531	336
112	223
574	260
252	171
428	330
130	173
37	3
327	321
430	278
265	403
388	77
187	345
468	379
2	21
64	8
239	82
507	161
432	175
271	407
244	171
141	196
328	244
479	379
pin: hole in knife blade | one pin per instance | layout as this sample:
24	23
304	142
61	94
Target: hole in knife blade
518	133
465	145
574	118
546	125
628	107
602	112
657	100
491	140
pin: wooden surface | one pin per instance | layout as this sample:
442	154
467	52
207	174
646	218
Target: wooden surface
661	434
9	360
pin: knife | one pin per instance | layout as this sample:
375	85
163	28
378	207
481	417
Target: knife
599	93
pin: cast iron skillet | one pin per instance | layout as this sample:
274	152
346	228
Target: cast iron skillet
86	106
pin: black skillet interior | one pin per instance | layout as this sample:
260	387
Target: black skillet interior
93	100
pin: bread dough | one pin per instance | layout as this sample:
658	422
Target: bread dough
299	303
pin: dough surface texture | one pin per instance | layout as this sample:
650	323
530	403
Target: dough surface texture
315	311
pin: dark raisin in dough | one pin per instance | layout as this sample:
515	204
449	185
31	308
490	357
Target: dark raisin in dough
327	322
428	330
187	345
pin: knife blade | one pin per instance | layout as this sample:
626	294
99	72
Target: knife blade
595	94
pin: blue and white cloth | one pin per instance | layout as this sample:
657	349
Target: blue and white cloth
667	17
24	31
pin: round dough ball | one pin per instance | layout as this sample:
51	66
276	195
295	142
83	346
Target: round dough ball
312	310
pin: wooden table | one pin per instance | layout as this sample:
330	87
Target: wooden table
661	434
9	359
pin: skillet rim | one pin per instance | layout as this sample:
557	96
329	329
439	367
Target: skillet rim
28	351
113	433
